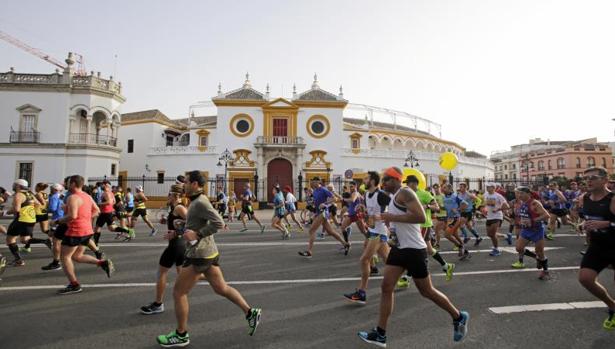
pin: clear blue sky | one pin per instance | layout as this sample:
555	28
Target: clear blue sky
493	73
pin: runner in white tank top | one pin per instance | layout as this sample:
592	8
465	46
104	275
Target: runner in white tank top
408	253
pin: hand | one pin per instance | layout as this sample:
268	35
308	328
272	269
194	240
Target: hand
386	217
377	217
595	225
190	235
170	235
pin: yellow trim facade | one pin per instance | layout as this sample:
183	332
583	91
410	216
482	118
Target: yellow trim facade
287	111
322	119
237	118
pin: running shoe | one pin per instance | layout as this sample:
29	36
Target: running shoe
450	268
107	267
306	254
455	248
262	229
373	270
543	275
609	323
495	252
18	263
375	259
549	235
346	249
403	282
460	328
152	308
320	236
254	318
99	254
286	235
52	266
48	243
2	264
509	239
466	255
69	289
478	241
466	239
243	229
518	265
25	249
373	337
151	233
358	296
173	340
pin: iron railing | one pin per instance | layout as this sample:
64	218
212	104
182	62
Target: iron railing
92	138
270	140
24	136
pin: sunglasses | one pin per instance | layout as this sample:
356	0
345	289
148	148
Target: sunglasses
593	177
386	178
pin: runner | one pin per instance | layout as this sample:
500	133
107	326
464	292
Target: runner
107	213
130	205
467	214
202	258
141	210
308	212
57	212
572	195
352	202
599	211
453	206
41	217
174	253
510	194
332	207
429	203
291	208
496	205
221	202
322	198
246	209
376	202
25	218
232	202
80	210
120	208
440	214
557	203
279	211
531	217
405	214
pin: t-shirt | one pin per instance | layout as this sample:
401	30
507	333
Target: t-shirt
321	194
55	206
425	198
451	204
290	198
440	200
493	203
466	197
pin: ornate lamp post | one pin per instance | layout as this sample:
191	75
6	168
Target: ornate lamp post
225	157
414	162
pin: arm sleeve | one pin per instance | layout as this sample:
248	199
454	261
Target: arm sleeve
214	220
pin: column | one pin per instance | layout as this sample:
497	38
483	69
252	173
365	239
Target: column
260	166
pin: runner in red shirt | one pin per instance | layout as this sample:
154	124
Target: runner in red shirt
79	212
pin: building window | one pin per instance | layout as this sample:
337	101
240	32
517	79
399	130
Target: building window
160	177
604	162
505	167
514	176
591	162
169	141
318	126
514	166
505	176
578	162
203	141
549	164
241	125
541	165
355	143
113	169
531	164
131	145
561	164
25	171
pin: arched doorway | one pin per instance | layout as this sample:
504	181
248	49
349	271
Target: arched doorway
280	172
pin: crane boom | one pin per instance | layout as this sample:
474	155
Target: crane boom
38	53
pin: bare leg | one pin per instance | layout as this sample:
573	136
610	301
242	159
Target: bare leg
187	278
428	291
161	283
589	279
391	275
216	280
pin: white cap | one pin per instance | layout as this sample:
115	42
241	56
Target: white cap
22	182
139	188
490	184
58	187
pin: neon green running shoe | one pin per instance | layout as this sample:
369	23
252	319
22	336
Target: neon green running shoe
455	248
403	282
549	235
609	323
450	268
518	265
173	340
25	250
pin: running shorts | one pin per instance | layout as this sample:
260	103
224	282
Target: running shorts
353	218
290	207
42	218
467	215
17	228
490	222
333	210
139	212
173	254
533	235
597	258
412	259
76	240
201	265
60	231
375	236
105	218
560	212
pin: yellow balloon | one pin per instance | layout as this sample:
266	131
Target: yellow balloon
407	171
448	160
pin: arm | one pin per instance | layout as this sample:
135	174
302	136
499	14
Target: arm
144	198
415	214
214	220
54	204
590	226
95	209
17	201
72	209
543	215
433	206
561	196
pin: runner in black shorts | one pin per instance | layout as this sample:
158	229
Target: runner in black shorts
174	253
599	210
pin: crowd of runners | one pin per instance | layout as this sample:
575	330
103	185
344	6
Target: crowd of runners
399	224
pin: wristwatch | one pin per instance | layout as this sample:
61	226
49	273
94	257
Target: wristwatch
612	224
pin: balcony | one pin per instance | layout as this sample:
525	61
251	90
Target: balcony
286	142
24	137
92	139
187	150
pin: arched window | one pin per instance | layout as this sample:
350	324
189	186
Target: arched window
591	162
549	164
541	165
561	163
578	162
604	162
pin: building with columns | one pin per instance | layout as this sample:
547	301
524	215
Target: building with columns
277	139
58	124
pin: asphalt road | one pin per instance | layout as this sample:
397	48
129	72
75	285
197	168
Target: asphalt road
301	300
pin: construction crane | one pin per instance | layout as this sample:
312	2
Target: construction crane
42	55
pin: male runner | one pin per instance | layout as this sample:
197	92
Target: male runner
440	215
107	213
202	258
453	206
25	218
130	205
557	203
531	218
467	214
141	210
57	212
291	207
376	202
79	212
246	209
405	214
352	201
495	204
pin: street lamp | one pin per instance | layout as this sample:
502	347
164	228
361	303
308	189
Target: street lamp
226	157
414	162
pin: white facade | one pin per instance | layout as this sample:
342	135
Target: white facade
57	125
281	139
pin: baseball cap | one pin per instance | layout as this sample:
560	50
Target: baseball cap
57	186
22	182
139	188
490	184
411	179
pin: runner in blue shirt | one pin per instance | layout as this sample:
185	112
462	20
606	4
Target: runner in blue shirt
454	206
467	214
247	210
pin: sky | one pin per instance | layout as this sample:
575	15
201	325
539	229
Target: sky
492	73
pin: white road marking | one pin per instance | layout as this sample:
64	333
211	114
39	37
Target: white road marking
275	282
549	306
